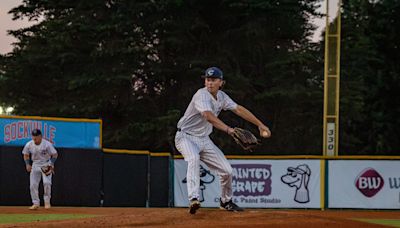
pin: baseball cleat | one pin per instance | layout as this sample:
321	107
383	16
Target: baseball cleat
47	206
34	207
229	206
194	206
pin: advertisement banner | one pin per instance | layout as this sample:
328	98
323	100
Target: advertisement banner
257	184
68	134
370	184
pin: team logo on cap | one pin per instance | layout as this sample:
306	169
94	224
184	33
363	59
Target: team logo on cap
213	72
36	132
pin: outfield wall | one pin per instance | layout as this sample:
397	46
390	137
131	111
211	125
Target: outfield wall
77	181
61	132
83	177
368	184
291	182
258	184
133	178
86	173
128	178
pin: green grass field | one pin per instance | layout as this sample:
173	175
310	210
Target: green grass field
18	218
387	222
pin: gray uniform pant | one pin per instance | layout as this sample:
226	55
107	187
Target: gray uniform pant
194	149
35	177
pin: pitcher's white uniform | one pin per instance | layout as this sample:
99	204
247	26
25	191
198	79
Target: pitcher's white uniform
193	142
40	155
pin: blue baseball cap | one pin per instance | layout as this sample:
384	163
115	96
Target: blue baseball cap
213	72
36	132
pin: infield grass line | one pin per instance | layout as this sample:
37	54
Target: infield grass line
20	218
386	222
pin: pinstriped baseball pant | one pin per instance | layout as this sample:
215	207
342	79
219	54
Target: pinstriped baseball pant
34	177
195	149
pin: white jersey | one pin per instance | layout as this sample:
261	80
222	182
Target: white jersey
40	154
193	123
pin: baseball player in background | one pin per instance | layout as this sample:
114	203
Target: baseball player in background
39	153
193	142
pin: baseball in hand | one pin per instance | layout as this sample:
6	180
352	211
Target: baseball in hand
265	134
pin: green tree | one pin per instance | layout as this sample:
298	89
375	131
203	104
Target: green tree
136	64
370	77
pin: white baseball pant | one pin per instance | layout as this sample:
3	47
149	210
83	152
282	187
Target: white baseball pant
35	177
194	149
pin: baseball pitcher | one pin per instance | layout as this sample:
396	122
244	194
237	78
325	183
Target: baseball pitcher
39	156
193	142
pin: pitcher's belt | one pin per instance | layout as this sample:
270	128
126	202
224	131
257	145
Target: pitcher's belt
184	132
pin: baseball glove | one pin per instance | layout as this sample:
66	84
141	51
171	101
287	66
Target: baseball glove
47	169
245	138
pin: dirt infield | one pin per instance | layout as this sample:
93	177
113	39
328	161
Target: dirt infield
206	217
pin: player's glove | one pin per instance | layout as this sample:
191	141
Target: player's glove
245	138
47	169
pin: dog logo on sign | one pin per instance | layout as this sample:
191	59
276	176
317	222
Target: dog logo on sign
205	178
298	177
